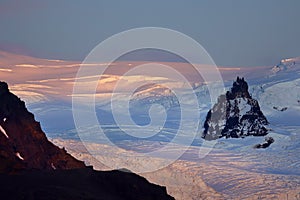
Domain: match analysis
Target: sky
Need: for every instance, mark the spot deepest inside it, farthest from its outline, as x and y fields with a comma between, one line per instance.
x=234, y=32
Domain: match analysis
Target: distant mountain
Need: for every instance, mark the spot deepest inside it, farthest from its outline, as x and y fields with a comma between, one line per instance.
x=31, y=167
x=154, y=93
x=286, y=64
x=236, y=114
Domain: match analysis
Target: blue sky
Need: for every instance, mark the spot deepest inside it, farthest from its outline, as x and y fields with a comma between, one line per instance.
x=234, y=32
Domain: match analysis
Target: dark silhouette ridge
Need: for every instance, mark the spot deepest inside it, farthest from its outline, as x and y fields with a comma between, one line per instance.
x=31, y=167
x=23, y=143
x=79, y=184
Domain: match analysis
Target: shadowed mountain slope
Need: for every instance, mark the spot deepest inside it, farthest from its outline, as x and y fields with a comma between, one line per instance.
x=31, y=167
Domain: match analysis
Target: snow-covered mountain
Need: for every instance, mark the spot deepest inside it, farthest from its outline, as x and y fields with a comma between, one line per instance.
x=286, y=64
x=154, y=94
x=277, y=91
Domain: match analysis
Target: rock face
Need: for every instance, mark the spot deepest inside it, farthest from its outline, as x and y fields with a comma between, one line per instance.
x=23, y=144
x=236, y=114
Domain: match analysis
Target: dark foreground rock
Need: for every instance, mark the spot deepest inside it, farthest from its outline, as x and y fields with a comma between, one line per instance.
x=31, y=167
x=23, y=144
x=79, y=184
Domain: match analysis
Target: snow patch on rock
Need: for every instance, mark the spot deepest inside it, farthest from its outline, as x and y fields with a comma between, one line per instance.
x=3, y=131
x=19, y=156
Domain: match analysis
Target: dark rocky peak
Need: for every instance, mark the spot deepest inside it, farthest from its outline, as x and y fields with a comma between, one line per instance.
x=239, y=89
x=235, y=115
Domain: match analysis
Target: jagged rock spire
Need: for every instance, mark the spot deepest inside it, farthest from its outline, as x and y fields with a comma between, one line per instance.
x=235, y=114
x=239, y=89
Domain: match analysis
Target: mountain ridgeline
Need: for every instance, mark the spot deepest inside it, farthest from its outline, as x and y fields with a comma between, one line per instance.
x=31, y=167
x=23, y=143
x=236, y=114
